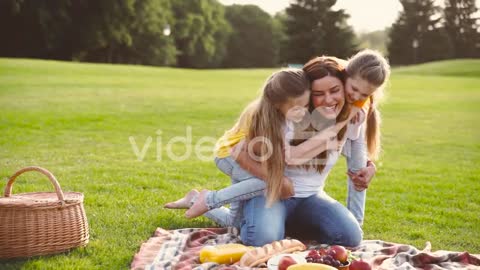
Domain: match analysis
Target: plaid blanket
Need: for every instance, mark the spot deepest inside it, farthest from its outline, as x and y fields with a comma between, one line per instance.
x=179, y=249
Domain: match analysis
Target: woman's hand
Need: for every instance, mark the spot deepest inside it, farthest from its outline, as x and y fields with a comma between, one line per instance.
x=237, y=149
x=287, y=189
x=362, y=178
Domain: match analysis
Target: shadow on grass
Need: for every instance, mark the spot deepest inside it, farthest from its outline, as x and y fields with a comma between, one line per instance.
x=19, y=263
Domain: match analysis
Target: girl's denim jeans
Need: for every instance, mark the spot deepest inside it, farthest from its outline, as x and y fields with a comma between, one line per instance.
x=244, y=187
x=356, y=154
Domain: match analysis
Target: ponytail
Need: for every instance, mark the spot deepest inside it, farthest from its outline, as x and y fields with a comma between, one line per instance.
x=373, y=131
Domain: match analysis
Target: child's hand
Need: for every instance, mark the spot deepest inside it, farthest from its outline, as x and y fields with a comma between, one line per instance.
x=328, y=133
x=329, y=136
x=362, y=178
x=356, y=118
x=287, y=189
x=333, y=144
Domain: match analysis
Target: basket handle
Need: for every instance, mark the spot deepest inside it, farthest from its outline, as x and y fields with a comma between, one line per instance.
x=58, y=189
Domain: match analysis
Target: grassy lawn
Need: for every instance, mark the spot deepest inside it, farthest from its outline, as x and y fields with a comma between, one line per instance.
x=76, y=120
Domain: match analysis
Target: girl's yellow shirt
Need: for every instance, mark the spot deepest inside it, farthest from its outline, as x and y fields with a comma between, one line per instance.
x=230, y=138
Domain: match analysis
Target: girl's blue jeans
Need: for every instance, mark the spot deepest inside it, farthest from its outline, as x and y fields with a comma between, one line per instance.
x=244, y=187
x=356, y=153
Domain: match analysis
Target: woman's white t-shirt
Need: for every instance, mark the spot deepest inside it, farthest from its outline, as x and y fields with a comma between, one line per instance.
x=308, y=182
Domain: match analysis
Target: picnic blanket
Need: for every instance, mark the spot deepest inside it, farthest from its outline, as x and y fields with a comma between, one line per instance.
x=179, y=249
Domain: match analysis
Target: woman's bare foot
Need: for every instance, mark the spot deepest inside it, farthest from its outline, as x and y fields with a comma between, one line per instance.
x=199, y=207
x=183, y=203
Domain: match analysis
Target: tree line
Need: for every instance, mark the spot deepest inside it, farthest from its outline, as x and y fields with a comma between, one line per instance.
x=424, y=32
x=207, y=34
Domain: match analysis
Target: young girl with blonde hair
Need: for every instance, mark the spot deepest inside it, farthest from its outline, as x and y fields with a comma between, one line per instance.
x=285, y=96
x=367, y=74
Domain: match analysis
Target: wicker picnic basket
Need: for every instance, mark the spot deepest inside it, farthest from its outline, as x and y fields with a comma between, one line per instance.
x=41, y=223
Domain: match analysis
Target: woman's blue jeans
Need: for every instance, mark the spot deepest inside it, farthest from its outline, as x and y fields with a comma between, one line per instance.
x=318, y=217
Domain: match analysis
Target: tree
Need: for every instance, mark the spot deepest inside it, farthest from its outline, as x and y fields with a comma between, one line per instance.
x=200, y=33
x=88, y=30
x=313, y=28
x=376, y=40
x=150, y=32
x=462, y=27
x=31, y=28
x=417, y=35
x=280, y=37
x=252, y=41
x=123, y=32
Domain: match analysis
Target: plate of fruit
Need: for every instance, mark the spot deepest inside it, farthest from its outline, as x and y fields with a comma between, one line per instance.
x=332, y=258
x=336, y=256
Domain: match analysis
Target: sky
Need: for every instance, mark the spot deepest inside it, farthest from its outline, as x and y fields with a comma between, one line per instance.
x=365, y=15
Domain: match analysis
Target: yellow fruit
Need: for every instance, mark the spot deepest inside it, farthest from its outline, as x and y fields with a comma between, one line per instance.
x=223, y=254
x=311, y=266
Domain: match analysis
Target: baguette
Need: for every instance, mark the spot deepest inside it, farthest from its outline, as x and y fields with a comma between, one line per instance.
x=260, y=255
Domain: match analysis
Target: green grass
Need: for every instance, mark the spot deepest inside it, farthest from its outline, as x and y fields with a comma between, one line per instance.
x=76, y=120
x=456, y=68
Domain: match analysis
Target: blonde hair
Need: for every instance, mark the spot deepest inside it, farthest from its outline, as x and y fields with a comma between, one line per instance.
x=371, y=66
x=268, y=121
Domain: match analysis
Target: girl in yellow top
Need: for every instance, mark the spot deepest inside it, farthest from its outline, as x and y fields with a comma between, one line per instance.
x=285, y=96
x=367, y=73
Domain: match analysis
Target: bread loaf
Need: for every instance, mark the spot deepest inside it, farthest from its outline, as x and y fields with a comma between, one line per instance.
x=260, y=255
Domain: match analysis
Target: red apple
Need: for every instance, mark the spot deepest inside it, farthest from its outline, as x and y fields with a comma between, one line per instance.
x=339, y=253
x=285, y=262
x=359, y=265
